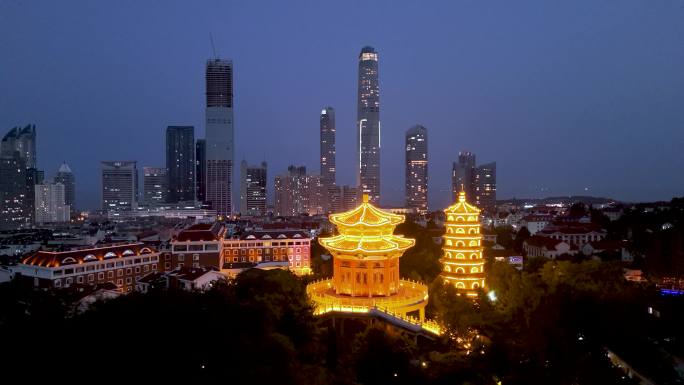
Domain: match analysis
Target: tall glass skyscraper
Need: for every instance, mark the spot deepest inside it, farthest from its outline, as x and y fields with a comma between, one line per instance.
x=180, y=163
x=155, y=185
x=253, y=189
x=368, y=125
x=463, y=175
x=328, y=146
x=219, y=135
x=23, y=141
x=119, y=186
x=417, y=169
x=67, y=178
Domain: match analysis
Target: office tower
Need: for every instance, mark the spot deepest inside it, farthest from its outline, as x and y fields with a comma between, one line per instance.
x=368, y=125
x=485, y=186
x=252, y=189
x=155, y=186
x=67, y=178
x=180, y=163
x=328, y=146
x=22, y=140
x=219, y=135
x=201, y=168
x=15, y=209
x=417, y=169
x=463, y=174
x=18, y=177
x=119, y=186
x=50, y=203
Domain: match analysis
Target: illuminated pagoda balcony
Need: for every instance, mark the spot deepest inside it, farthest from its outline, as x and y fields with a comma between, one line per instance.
x=366, y=256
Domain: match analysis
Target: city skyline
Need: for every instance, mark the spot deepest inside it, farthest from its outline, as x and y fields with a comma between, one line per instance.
x=501, y=113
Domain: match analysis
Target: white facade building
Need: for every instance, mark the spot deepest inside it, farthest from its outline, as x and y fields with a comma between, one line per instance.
x=50, y=206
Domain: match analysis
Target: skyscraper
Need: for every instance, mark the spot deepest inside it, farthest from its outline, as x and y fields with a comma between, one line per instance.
x=328, y=146
x=155, y=185
x=201, y=168
x=252, y=189
x=18, y=177
x=417, y=169
x=463, y=174
x=22, y=140
x=485, y=186
x=67, y=178
x=119, y=186
x=15, y=207
x=219, y=135
x=50, y=206
x=368, y=124
x=180, y=163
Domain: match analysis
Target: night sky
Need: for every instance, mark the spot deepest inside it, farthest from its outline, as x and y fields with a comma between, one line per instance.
x=573, y=97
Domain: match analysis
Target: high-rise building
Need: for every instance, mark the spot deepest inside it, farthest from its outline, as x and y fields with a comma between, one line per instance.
x=18, y=177
x=462, y=262
x=463, y=174
x=201, y=168
x=298, y=193
x=22, y=140
x=368, y=125
x=15, y=207
x=155, y=185
x=219, y=135
x=180, y=163
x=252, y=189
x=291, y=196
x=485, y=186
x=328, y=146
x=479, y=183
x=67, y=178
x=344, y=198
x=417, y=169
x=119, y=185
x=50, y=203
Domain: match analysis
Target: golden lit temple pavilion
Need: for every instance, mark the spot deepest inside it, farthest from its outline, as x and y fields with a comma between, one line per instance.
x=366, y=256
x=462, y=263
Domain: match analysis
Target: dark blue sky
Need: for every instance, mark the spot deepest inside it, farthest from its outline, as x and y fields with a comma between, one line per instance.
x=565, y=96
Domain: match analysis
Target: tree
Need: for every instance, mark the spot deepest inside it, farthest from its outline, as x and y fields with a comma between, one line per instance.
x=383, y=358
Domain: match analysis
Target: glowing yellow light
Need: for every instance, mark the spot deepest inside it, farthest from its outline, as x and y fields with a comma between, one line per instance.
x=462, y=248
x=366, y=270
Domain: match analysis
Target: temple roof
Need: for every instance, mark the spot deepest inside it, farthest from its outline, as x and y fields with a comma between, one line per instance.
x=369, y=245
x=366, y=214
x=462, y=207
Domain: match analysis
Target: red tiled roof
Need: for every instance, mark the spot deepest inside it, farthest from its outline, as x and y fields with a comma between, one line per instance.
x=201, y=232
x=73, y=257
x=275, y=234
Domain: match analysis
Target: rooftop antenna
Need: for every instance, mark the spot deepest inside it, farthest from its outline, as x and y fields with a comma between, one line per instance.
x=213, y=47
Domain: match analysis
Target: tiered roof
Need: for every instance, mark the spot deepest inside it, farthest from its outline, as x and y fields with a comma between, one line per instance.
x=366, y=229
x=462, y=207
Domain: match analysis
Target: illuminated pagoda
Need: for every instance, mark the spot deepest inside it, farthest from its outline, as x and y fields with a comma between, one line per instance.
x=462, y=263
x=366, y=267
